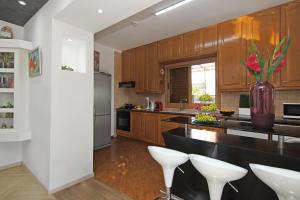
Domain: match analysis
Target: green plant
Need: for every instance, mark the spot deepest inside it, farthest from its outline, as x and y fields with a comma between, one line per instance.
x=256, y=62
x=205, y=97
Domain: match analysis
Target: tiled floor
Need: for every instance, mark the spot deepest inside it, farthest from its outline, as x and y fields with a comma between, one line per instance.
x=127, y=167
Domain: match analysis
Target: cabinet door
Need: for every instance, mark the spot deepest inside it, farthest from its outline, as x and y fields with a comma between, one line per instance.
x=153, y=77
x=139, y=70
x=264, y=30
x=150, y=127
x=137, y=125
x=128, y=64
x=290, y=74
x=209, y=40
x=231, y=48
x=165, y=126
x=164, y=50
x=200, y=42
x=176, y=45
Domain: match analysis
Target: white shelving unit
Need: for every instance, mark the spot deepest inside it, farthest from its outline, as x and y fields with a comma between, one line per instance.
x=14, y=102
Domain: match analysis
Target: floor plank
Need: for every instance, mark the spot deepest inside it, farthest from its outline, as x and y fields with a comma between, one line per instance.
x=127, y=167
x=17, y=183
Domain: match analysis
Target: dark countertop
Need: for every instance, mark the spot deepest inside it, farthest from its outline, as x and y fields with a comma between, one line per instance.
x=231, y=123
x=173, y=112
x=237, y=150
x=278, y=120
x=245, y=118
x=240, y=142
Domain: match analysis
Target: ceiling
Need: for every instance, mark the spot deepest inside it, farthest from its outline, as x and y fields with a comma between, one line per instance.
x=148, y=28
x=84, y=13
x=11, y=11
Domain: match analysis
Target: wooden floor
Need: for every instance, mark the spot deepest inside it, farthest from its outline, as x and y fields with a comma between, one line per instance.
x=17, y=183
x=127, y=167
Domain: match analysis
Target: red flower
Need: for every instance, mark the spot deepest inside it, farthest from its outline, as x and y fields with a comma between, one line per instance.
x=252, y=63
x=280, y=66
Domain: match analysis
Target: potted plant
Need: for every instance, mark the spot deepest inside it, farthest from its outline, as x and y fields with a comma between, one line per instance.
x=262, y=92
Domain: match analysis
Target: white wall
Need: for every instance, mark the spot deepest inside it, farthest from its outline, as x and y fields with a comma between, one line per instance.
x=18, y=31
x=11, y=153
x=107, y=64
x=71, y=156
x=36, y=152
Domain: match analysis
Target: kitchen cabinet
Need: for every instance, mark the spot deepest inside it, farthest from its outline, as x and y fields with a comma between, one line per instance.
x=144, y=126
x=139, y=70
x=165, y=126
x=200, y=42
x=170, y=49
x=290, y=74
x=136, y=121
x=128, y=65
x=150, y=127
x=264, y=30
x=232, y=44
x=153, y=77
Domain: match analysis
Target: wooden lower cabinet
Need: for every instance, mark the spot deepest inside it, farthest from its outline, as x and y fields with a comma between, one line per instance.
x=137, y=125
x=144, y=126
x=165, y=126
x=150, y=127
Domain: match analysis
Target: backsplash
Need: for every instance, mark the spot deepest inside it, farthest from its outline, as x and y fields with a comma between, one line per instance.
x=230, y=100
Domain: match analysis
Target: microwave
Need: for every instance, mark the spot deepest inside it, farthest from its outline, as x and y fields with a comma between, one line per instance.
x=291, y=110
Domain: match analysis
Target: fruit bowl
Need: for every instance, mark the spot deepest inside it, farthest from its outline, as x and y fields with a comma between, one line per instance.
x=227, y=112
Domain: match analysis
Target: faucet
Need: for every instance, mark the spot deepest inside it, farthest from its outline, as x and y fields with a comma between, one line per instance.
x=182, y=104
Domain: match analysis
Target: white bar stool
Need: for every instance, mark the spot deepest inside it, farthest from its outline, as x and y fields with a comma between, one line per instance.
x=286, y=183
x=169, y=160
x=217, y=173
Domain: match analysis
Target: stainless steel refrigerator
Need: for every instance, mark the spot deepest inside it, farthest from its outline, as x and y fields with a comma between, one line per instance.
x=102, y=110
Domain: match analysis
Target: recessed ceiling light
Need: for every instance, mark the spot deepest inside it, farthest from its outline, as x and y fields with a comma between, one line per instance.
x=100, y=11
x=23, y=3
x=181, y=3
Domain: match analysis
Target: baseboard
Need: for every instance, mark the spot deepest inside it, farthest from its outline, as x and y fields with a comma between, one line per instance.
x=10, y=166
x=70, y=184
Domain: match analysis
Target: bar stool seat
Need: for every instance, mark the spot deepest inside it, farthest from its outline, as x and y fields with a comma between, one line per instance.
x=217, y=173
x=286, y=183
x=169, y=160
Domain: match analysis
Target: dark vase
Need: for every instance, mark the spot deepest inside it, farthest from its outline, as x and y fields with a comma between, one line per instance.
x=262, y=105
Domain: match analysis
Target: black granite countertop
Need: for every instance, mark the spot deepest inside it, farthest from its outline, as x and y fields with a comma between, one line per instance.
x=278, y=129
x=167, y=111
x=278, y=120
x=240, y=142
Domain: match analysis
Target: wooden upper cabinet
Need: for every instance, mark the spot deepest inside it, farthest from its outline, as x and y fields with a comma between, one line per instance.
x=200, y=42
x=139, y=70
x=232, y=45
x=264, y=30
x=290, y=74
x=128, y=64
x=164, y=50
x=153, y=77
x=170, y=49
x=176, y=45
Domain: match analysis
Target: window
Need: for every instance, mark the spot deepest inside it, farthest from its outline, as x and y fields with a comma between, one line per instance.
x=188, y=81
x=203, y=80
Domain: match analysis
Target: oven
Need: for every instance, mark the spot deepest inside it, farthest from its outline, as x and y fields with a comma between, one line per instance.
x=291, y=110
x=123, y=120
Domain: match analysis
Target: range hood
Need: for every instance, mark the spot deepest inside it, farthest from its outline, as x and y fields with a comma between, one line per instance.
x=127, y=84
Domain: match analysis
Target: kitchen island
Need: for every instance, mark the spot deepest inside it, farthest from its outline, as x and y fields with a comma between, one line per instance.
x=237, y=150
